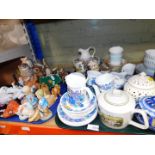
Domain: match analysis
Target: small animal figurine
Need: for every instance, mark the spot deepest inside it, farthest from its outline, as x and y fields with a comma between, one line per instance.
x=46, y=68
x=62, y=74
x=26, y=60
x=11, y=110
x=56, y=90
x=93, y=65
x=33, y=83
x=25, y=111
x=44, y=111
x=50, y=98
x=29, y=97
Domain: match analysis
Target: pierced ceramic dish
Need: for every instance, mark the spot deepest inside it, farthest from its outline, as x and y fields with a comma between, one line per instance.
x=140, y=85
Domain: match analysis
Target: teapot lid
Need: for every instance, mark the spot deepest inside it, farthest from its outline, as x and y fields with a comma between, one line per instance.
x=142, y=81
x=116, y=97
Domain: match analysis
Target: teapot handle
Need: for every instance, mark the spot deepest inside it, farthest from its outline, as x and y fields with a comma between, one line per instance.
x=94, y=51
x=138, y=125
x=89, y=92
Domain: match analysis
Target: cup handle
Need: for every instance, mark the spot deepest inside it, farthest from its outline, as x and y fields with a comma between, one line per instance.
x=138, y=125
x=89, y=92
x=94, y=51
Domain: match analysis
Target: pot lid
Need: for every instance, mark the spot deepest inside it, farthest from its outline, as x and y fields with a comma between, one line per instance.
x=142, y=81
x=116, y=97
x=148, y=104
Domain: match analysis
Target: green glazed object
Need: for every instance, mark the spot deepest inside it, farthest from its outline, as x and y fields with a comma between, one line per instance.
x=51, y=81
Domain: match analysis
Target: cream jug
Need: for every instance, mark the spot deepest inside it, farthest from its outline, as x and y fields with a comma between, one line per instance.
x=85, y=54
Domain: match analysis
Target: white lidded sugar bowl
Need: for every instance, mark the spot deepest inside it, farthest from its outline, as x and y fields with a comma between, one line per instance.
x=140, y=85
x=116, y=110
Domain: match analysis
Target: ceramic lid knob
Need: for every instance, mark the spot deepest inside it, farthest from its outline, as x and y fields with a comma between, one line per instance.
x=117, y=97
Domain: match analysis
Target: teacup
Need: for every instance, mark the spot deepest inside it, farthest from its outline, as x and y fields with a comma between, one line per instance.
x=77, y=90
x=105, y=82
x=91, y=76
x=116, y=55
x=149, y=59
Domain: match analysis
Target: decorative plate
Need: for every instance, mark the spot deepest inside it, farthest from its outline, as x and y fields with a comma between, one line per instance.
x=77, y=108
x=76, y=122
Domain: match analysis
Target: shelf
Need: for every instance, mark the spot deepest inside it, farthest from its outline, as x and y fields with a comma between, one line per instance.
x=48, y=128
x=14, y=53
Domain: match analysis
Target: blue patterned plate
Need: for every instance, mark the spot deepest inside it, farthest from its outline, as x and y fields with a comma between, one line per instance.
x=76, y=122
x=77, y=108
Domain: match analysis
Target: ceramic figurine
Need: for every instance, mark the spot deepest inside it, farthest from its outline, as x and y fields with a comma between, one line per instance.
x=25, y=72
x=9, y=93
x=11, y=109
x=25, y=111
x=26, y=60
x=46, y=93
x=46, y=68
x=29, y=97
x=38, y=71
x=51, y=80
x=93, y=65
x=33, y=82
x=62, y=73
x=79, y=65
x=85, y=54
x=44, y=111
x=56, y=90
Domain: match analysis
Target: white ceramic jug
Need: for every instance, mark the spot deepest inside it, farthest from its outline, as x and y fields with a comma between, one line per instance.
x=85, y=54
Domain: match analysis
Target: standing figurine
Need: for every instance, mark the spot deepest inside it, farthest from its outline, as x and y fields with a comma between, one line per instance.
x=56, y=90
x=44, y=111
x=26, y=60
x=29, y=97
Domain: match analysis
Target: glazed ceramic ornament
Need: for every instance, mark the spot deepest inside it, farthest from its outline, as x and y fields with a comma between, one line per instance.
x=93, y=65
x=116, y=109
x=85, y=54
x=46, y=93
x=79, y=65
x=25, y=111
x=116, y=53
x=11, y=109
x=44, y=111
x=26, y=60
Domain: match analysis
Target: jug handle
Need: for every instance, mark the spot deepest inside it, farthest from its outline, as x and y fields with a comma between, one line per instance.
x=91, y=95
x=94, y=51
x=138, y=125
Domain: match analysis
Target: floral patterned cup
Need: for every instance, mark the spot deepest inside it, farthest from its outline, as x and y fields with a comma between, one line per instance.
x=77, y=90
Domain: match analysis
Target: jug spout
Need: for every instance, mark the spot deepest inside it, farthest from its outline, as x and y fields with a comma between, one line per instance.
x=97, y=91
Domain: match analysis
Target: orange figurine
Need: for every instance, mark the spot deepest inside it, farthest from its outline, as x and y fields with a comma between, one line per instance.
x=56, y=90
x=11, y=110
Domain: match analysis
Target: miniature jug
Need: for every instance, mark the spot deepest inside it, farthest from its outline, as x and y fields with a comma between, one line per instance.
x=85, y=54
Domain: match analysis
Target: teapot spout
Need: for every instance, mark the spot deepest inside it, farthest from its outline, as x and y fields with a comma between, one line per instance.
x=97, y=91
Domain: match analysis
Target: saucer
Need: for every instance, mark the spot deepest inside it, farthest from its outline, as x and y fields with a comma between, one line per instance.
x=77, y=107
x=76, y=122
